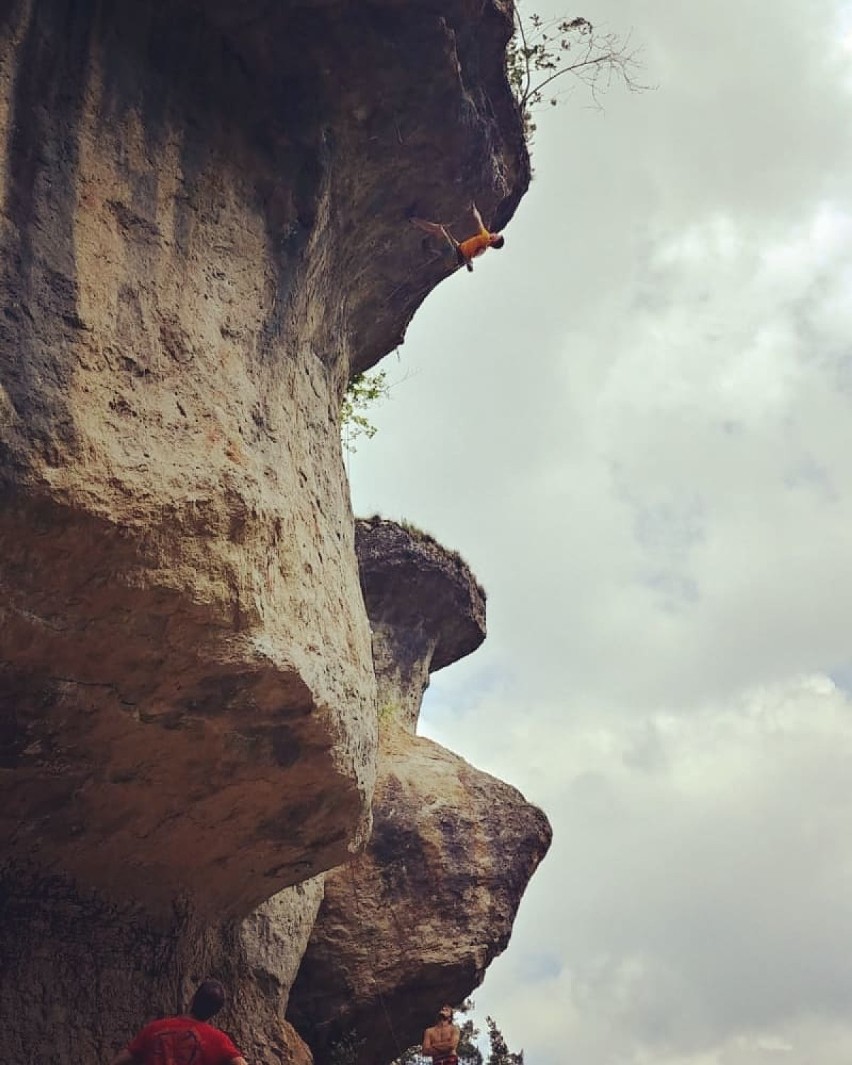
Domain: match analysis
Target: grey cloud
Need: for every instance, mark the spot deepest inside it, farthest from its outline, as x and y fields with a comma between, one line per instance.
x=702, y=899
x=635, y=425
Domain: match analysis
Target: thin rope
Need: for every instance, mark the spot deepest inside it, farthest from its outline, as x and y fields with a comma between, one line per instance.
x=399, y=1050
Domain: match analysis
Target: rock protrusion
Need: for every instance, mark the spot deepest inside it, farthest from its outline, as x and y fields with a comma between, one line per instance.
x=203, y=234
x=415, y=920
x=426, y=611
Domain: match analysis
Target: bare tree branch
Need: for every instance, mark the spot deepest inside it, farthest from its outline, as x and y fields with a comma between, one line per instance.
x=542, y=51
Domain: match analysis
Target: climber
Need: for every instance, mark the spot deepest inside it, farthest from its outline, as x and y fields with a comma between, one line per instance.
x=469, y=249
x=187, y=1039
x=441, y=1041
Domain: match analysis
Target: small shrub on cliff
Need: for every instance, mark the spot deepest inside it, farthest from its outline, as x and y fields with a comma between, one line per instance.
x=500, y=1053
x=388, y=713
x=542, y=51
x=363, y=391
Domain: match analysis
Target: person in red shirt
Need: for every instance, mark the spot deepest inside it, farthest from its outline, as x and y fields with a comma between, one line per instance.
x=185, y=1040
x=465, y=250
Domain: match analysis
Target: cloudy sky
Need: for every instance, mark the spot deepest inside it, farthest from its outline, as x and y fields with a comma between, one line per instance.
x=635, y=422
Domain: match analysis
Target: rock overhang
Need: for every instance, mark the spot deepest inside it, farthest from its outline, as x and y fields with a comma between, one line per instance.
x=411, y=113
x=415, y=589
x=171, y=438
x=417, y=917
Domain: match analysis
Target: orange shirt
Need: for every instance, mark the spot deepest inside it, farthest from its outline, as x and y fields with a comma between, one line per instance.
x=476, y=245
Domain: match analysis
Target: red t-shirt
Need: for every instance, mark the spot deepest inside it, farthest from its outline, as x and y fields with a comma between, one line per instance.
x=182, y=1041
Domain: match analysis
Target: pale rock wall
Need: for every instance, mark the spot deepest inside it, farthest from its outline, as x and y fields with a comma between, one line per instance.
x=188, y=699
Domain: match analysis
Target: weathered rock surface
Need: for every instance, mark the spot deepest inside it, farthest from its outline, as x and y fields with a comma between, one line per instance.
x=425, y=607
x=415, y=920
x=187, y=696
x=203, y=233
x=260, y=958
x=79, y=976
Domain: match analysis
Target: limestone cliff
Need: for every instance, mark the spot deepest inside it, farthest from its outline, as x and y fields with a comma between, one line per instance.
x=203, y=234
x=188, y=695
x=415, y=920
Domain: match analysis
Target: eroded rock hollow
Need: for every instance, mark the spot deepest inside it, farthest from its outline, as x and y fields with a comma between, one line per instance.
x=203, y=236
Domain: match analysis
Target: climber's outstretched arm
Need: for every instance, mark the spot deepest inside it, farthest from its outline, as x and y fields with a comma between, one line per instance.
x=477, y=217
x=435, y=228
x=465, y=250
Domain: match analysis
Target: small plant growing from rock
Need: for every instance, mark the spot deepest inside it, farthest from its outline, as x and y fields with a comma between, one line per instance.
x=388, y=713
x=362, y=392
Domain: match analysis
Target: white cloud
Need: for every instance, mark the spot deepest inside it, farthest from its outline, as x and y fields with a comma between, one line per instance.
x=694, y=896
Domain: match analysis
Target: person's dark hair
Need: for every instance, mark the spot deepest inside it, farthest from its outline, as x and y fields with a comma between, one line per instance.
x=208, y=999
x=499, y=242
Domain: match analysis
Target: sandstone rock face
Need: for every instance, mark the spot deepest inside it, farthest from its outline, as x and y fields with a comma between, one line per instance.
x=259, y=958
x=415, y=920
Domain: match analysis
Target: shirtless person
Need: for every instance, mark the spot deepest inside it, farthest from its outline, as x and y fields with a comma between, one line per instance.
x=441, y=1041
x=465, y=250
x=185, y=1040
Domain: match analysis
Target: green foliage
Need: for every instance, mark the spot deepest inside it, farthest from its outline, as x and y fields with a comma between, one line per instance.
x=468, y=1052
x=363, y=391
x=389, y=712
x=500, y=1053
x=544, y=50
